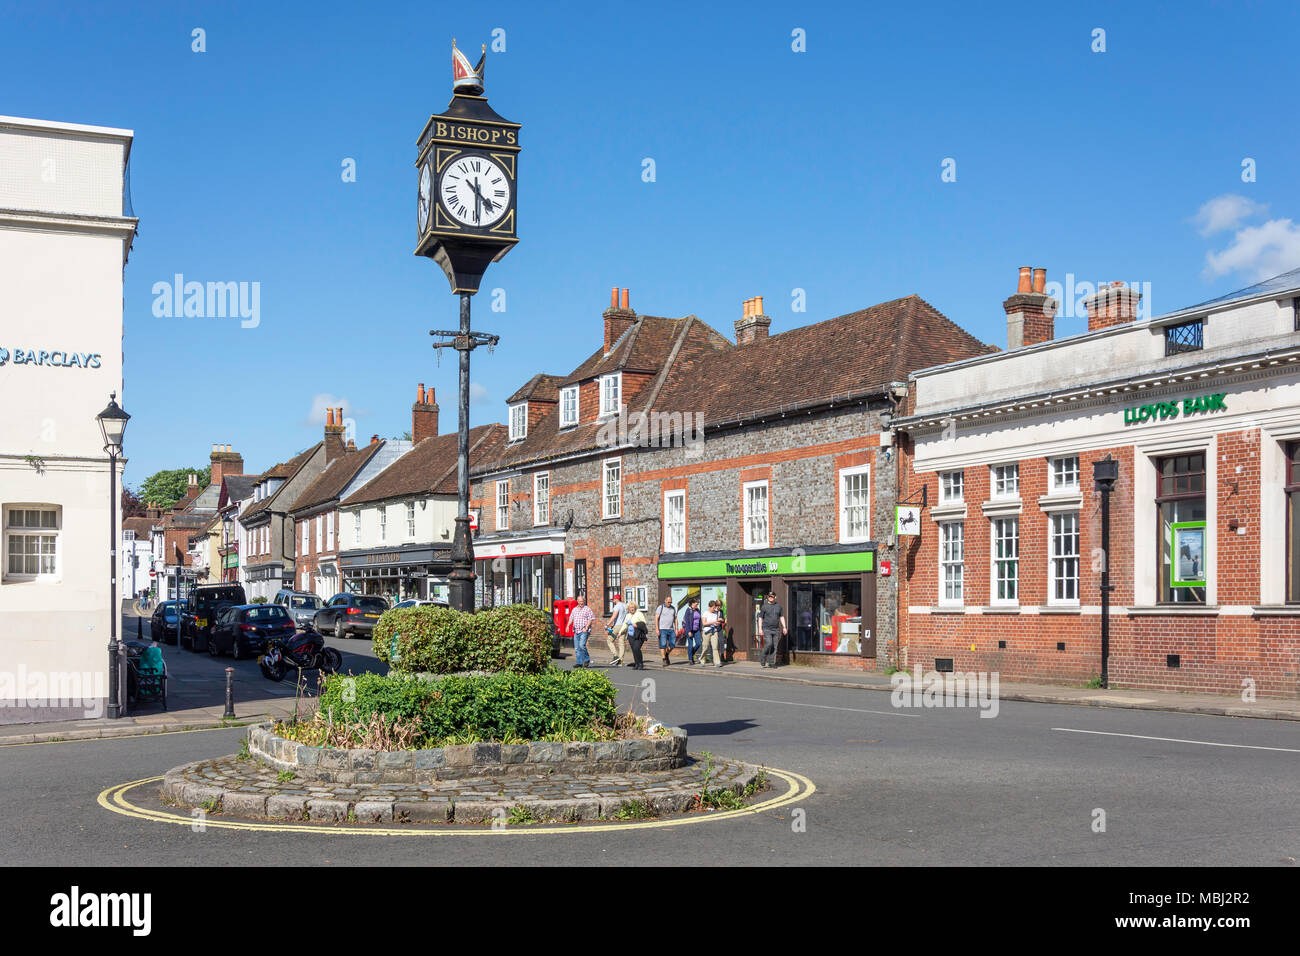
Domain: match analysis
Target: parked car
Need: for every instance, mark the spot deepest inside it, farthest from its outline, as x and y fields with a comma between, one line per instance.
x=350, y=615
x=418, y=602
x=301, y=605
x=201, y=609
x=243, y=629
x=164, y=624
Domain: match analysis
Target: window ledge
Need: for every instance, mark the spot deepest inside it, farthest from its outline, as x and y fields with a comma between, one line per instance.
x=1001, y=609
x=1060, y=609
x=1173, y=610
x=946, y=512
x=1002, y=506
x=949, y=609
x=1072, y=501
x=1276, y=610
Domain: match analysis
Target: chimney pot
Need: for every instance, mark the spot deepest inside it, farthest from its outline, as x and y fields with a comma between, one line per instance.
x=1040, y=280
x=1026, y=280
x=329, y=416
x=624, y=301
x=613, y=298
x=758, y=305
x=419, y=393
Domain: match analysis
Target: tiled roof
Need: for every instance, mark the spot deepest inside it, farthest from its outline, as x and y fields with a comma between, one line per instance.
x=541, y=388
x=239, y=487
x=286, y=470
x=335, y=477
x=1286, y=282
x=642, y=348
x=430, y=467
x=142, y=527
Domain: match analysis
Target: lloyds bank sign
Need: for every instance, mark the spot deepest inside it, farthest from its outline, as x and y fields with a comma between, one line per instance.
x=1165, y=411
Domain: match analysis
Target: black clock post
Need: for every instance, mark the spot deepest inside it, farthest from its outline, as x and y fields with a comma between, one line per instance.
x=467, y=166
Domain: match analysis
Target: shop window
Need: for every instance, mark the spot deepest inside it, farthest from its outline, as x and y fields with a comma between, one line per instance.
x=756, y=517
x=32, y=542
x=542, y=498
x=826, y=616
x=675, y=521
x=410, y=520
x=1065, y=474
x=580, y=577
x=1006, y=481
x=518, y=421
x=951, y=487
x=612, y=488
x=503, y=505
x=613, y=583
x=951, y=562
x=611, y=393
x=1180, y=505
x=636, y=594
x=1292, y=491
x=568, y=406
x=855, y=504
x=1006, y=561
x=1063, y=558
x=1185, y=337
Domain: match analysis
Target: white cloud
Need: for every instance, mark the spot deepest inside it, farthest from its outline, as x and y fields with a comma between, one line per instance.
x=1226, y=212
x=1258, y=252
x=322, y=401
x=478, y=395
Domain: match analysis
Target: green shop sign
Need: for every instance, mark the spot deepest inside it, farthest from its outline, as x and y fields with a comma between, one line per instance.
x=1162, y=411
x=856, y=561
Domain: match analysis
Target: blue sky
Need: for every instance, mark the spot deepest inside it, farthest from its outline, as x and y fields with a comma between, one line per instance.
x=775, y=171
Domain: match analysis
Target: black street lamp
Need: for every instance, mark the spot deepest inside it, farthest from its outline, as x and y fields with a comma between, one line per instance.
x=112, y=425
x=1104, y=475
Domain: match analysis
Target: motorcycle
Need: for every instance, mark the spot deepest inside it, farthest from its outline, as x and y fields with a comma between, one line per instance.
x=305, y=651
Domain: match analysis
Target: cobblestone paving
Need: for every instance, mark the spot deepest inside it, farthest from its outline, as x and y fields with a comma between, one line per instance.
x=248, y=788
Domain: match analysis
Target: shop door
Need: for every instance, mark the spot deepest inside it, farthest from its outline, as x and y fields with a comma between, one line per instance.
x=755, y=595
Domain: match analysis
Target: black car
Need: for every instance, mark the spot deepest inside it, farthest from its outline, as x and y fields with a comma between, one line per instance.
x=201, y=609
x=349, y=615
x=165, y=622
x=242, y=629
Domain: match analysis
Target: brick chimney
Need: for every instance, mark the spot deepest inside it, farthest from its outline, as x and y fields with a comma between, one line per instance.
x=1031, y=312
x=424, y=415
x=752, y=324
x=619, y=317
x=1116, y=304
x=333, y=434
x=225, y=462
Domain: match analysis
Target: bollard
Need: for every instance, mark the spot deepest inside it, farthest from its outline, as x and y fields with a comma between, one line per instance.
x=230, y=693
x=139, y=629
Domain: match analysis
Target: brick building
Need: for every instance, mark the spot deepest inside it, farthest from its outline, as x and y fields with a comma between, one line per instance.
x=673, y=463
x=1201, y=410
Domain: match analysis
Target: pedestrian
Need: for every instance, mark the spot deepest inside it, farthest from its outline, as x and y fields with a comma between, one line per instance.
x=692, y=624
x=616, y=631
x=636, y=634
x=772, y=619
x=581, y=619
x=710, y=645
x=666, y=622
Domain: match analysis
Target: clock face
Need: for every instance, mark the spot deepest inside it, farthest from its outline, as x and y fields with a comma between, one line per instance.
x=426, y=197
x=475, y=190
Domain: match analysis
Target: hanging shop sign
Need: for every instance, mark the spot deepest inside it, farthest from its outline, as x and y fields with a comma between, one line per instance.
x=1164, y=411
x=856, y=561
x=907, y=520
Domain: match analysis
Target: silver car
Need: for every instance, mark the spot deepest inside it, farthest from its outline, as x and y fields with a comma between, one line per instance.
x=302, y=607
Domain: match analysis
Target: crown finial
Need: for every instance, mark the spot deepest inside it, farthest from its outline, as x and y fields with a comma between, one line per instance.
x=465, y=78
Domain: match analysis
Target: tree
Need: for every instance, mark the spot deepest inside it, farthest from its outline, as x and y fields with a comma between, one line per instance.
x=132, y=504
x=405, y=436
x=168, y=486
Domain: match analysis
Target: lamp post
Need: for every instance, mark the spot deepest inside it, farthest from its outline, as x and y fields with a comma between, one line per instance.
x=112, y=425
x=1104, y=475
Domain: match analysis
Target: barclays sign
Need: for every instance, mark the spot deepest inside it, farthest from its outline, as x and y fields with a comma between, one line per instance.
x=55, y=358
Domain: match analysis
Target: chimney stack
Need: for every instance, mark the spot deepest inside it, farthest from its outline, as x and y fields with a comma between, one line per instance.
x=1116, y=304
x=619, y=317
x=1031, y=312
x=225, y=462
x=424, y=415
x=752, y=324
x=333, y=434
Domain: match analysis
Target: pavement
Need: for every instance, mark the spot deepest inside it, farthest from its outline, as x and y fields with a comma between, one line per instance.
x=196, y=692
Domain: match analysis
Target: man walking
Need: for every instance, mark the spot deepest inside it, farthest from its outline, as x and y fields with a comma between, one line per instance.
x=772, y=619
x=692, y=623
x=581, y=619
x=666, y=622
x=616, y=630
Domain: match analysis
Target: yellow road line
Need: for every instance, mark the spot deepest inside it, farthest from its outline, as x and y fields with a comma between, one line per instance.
x=114, y=799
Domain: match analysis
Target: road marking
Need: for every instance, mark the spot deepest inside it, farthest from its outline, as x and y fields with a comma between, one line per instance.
x=1175, y=740
x=114, y=799
x=244, y=722
x=791, y=703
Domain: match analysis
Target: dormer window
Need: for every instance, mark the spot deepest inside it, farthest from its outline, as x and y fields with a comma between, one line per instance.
x=518, y=421
x=611, y=393
x=1186, y=337
x=569, y=406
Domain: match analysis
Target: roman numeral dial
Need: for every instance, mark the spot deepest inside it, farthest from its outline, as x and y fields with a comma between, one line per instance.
x=475, y=190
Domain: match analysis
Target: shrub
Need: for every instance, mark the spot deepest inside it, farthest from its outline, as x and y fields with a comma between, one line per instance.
x=439, y=640
x=502, y=706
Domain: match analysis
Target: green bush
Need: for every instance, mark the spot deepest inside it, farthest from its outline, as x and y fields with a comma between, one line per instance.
x=439, y=640
x=498, y=706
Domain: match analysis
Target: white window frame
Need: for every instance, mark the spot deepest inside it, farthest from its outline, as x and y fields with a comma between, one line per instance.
x=410, y=521
x=948, y=480
x=565, y=393
x=320, y=533
x=329, y=531
x=518, y=421
x=1053, y=557
x=306, y=536
x=542, y=498
x=750, y=521
x=998, y=482
x=22, y=531
x=383, y=523
x=356, y=527
x=672, y=546
x=503, y=505
x=845, y=474
x=994, y=560
x=948, y=560
x=611, y=495
x=1056, y=487
x=606, y=393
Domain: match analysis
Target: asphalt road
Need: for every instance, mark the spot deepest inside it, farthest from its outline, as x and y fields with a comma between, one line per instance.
x=893, y=787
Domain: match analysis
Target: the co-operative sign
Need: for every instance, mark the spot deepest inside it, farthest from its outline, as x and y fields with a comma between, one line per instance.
x=57, y=358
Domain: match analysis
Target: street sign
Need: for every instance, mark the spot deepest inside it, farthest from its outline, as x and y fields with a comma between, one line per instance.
x=153, y=573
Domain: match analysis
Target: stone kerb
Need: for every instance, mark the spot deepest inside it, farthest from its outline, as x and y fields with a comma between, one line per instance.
x=336, y=765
